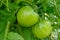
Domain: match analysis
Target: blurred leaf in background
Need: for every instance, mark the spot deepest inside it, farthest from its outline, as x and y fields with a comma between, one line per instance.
x=14, y=36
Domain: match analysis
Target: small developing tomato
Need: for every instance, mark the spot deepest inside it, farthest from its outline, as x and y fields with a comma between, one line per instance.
x=27, y=17
x=42, y=30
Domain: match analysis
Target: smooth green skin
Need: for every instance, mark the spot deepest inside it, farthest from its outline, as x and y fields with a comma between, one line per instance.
x=27, y=17
x=42, y=30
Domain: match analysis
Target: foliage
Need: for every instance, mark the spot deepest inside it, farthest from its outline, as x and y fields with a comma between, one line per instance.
x=47, y=9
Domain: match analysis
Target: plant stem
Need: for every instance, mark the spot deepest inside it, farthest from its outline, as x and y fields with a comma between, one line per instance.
x=7, y=5
x=20, y=30
x=0, y=4
x=3, y=3
x=55, y=4
x=7, y=29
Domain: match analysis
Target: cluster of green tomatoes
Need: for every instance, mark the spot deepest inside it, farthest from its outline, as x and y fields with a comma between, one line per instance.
x=27, y=17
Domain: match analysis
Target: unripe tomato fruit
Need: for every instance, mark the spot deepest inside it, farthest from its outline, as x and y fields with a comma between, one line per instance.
x=42, y=30
x=27, y=17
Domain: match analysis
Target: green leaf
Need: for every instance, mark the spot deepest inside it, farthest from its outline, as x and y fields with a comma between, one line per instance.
x=27, y=33
x=14, y=36
x=5, y=16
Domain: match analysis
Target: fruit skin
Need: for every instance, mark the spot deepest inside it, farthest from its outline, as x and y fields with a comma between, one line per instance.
x=42, y=30
x=27, y=17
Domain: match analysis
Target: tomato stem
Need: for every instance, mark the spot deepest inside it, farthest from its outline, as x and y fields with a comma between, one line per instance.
x=19, y=29
x=6, y=4
x=55, y=4
x=7, y=29
x=3, y=3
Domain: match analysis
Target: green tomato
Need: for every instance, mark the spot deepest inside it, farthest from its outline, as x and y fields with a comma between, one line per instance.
x=27, y=17
x=42, y=30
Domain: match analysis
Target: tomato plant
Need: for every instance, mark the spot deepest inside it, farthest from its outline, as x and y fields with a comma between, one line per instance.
x=29, y=19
